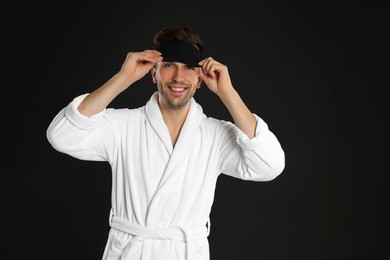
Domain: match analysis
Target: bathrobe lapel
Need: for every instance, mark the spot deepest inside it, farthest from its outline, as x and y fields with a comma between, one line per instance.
x=183, y=145
x=156, y=120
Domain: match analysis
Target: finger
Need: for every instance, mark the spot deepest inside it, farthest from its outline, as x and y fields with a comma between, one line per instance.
x=153, y=52
x=200, y=73
x=204, y=65
x=203, y=74
x=210, y=66
x=209, y=74
x=202, y=62
x=148, y=57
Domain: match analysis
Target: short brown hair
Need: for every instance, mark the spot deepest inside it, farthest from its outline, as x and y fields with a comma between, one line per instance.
x=185, y=33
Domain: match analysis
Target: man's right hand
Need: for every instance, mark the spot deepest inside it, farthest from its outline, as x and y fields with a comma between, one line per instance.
x=138, y=64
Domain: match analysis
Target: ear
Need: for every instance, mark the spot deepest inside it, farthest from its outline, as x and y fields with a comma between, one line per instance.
x=153, y=73
x=199, y=82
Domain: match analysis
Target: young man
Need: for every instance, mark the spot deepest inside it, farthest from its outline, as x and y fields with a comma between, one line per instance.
x=167, y=155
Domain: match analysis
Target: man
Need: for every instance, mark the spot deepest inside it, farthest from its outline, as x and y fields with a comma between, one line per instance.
x=167, y=155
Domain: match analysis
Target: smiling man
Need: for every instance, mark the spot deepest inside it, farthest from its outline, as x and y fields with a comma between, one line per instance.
x=167, y=155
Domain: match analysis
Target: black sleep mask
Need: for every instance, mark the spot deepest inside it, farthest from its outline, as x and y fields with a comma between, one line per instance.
x=181, y=51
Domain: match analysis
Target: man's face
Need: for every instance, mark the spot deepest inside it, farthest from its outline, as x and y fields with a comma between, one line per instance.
x=176, y=82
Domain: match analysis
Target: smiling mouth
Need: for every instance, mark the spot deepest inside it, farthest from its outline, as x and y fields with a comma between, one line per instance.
x=177, y=89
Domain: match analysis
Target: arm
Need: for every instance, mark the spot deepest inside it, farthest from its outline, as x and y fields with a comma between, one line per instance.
x=136, y=66
x=82, y=137
x=83, y=129
x=260, y=158
x=250, y=151
x=216, y=77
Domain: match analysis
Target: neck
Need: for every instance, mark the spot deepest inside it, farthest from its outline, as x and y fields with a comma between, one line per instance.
x=174, y=119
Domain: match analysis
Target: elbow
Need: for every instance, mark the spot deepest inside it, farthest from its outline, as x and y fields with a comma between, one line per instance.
x=263, y=174
x=267, y=171
x=56, y=139
x=50, y=136
x=277, y=168
x=53, y=139
x=275, y=171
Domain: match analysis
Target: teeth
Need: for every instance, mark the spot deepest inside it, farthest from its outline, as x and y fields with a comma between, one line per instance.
x=177, y=89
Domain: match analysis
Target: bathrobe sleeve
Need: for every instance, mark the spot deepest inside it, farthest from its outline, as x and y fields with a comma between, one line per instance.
x=260, y=158
x=82, y=137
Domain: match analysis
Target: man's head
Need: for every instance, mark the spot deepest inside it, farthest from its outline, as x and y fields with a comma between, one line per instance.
x=177, y=75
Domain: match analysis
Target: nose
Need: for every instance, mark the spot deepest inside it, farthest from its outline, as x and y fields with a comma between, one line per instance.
x=178, y=74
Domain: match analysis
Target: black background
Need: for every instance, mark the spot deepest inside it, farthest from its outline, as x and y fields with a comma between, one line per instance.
x=315, y=72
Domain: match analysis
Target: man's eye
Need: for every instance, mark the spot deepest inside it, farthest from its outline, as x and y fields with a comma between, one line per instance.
x=190, y=68
x=167, y=65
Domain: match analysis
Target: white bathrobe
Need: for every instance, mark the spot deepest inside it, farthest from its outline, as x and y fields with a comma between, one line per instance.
x=162, y=195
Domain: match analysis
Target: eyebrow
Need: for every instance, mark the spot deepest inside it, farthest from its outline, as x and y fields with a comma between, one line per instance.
x=176, y=62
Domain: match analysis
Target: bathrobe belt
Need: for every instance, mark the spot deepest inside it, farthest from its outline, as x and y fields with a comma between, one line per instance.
x=141, y=233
